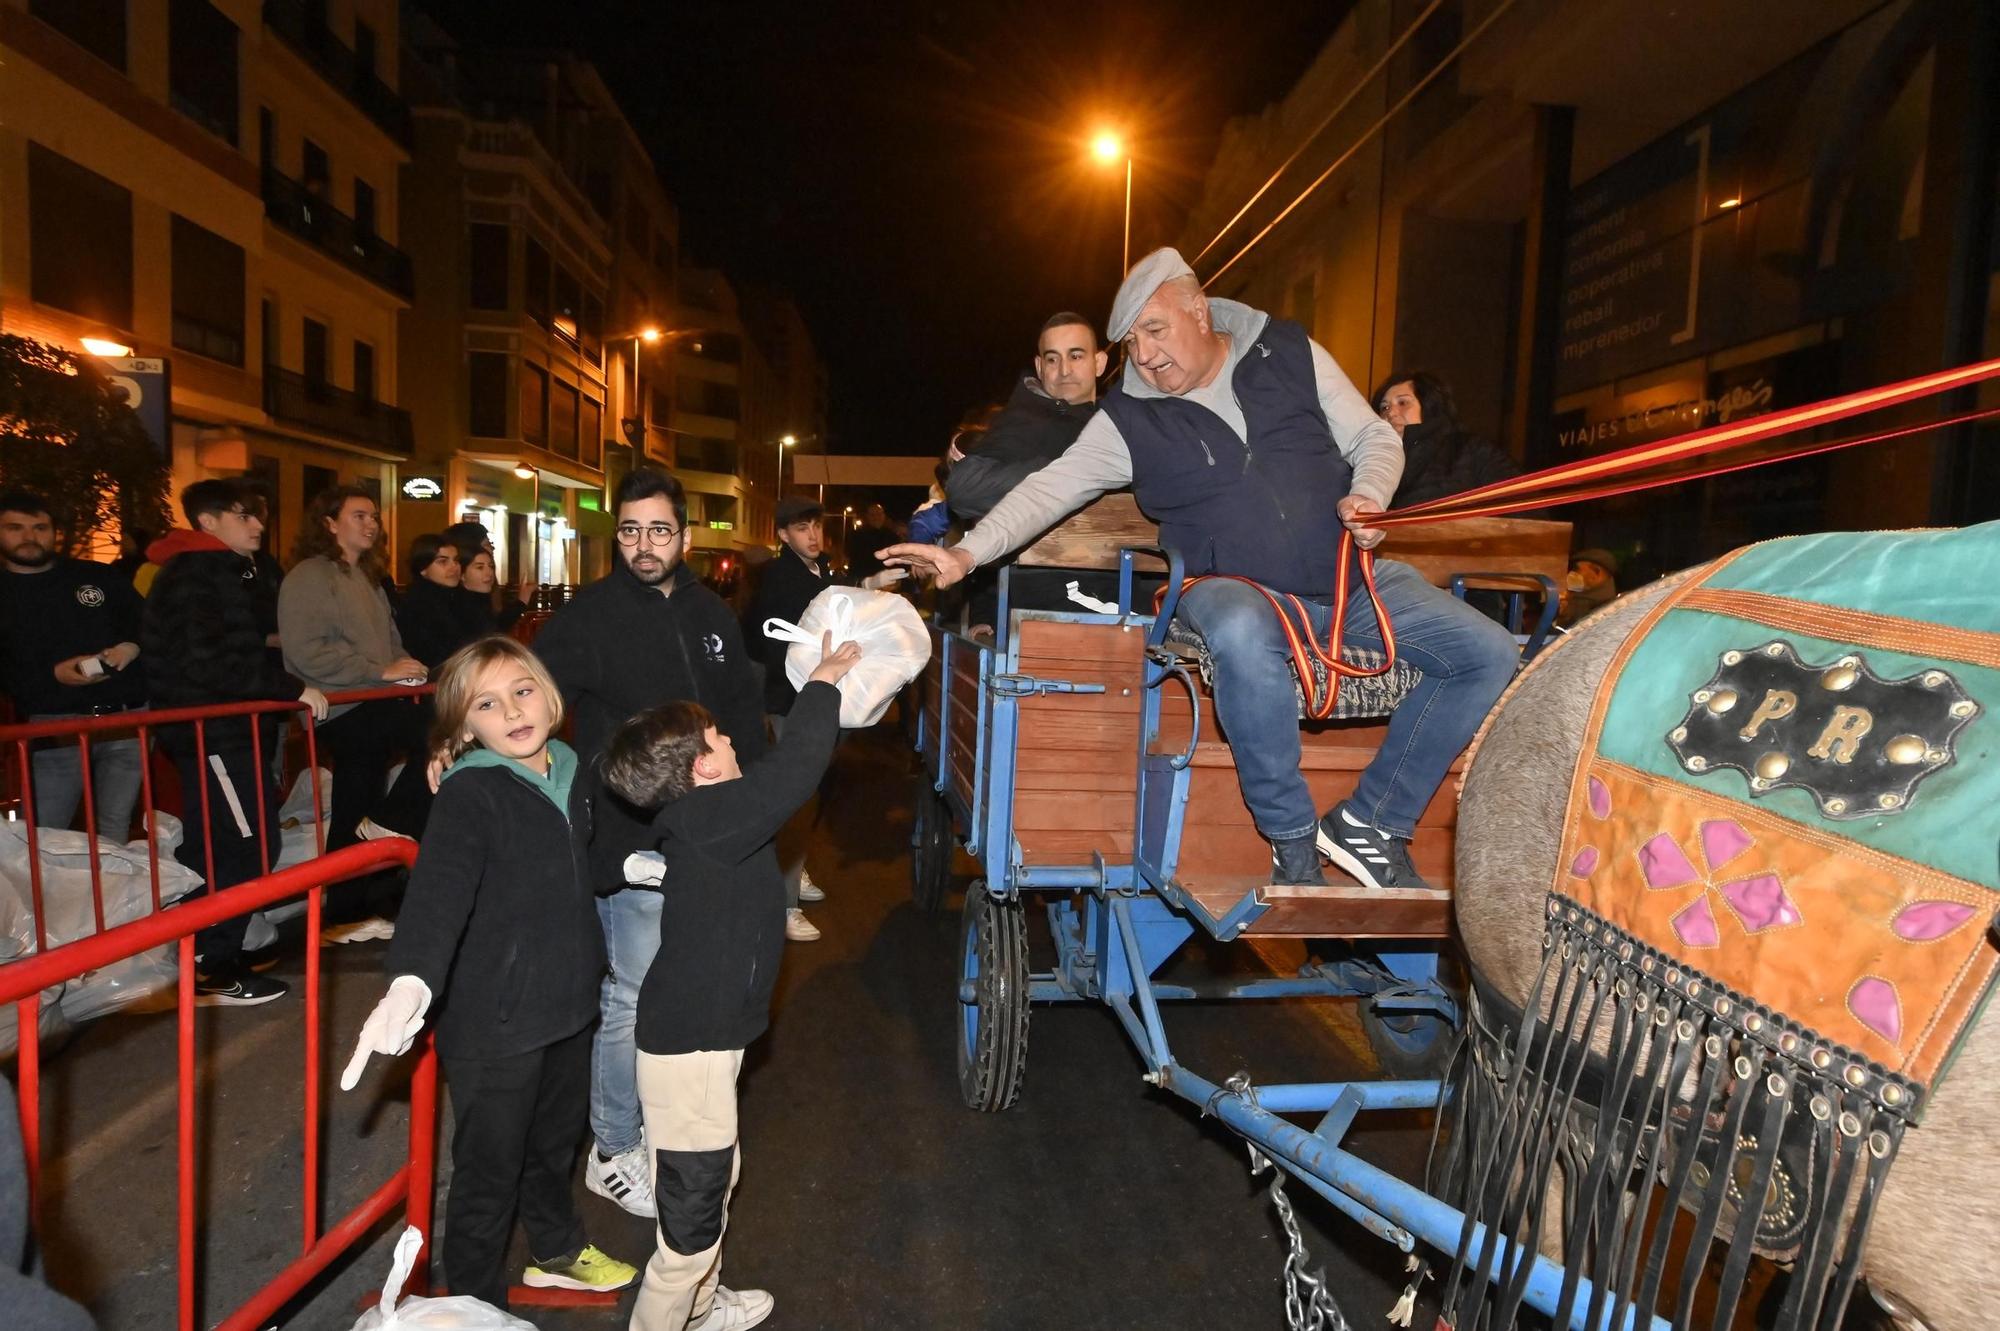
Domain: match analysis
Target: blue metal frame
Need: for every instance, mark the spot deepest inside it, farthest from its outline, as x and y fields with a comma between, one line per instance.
x=1116, y=924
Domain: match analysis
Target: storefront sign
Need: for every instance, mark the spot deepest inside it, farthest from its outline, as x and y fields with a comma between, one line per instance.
x=146, y=383
x=423, y=488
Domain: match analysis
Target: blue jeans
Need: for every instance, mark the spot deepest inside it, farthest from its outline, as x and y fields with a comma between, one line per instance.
x=631, y=920
x=115, y=778
x=1466, y=659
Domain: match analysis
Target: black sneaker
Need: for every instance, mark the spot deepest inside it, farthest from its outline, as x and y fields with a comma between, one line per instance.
x=1374, y=858
x=1295, y=863
x=237, y=987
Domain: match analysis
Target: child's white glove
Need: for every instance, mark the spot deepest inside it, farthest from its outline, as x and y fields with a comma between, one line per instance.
x=392, y=1027
x=887, y=578
x=645, y=868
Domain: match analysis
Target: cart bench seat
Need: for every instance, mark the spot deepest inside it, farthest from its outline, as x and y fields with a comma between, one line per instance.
x=1342, y=909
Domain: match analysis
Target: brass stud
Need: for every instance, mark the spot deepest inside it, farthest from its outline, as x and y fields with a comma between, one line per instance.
x=1850, y=1126
x=1906, y=749
x=1775, y=1085
x=1848, y=661
x=1935, y=756
x=1821, y=1059
x=1720, y=701
x=1821, y=1110
x=1712, y=1045
x=1933, y=678
x=1721, y=1004
x=1788, y=1043
x=1699, y=1173
x=1743, y=1068
x=1889, y=799
x=1836, y=806
x=1775, y=649
x=1697, y=763
x=1753, y=1023
x=1678, y=734
x=1964, y=708
x=1555, y=907
x=1661, y=1017
x=1855, y=1076
x=1839, y=679
x=1731, y=658
x=1892, y=1094
x=1703, y=695
x=1673, y=977
x=1625, y=951
x=1646, y=965
x=1759, y=783
x=1773, y=765
x=1878, y=1145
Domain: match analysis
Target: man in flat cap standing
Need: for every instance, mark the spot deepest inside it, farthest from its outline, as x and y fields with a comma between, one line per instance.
x=1250, y=447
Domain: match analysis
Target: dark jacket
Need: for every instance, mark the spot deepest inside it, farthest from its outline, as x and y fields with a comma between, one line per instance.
x=620, y=647
x=722, y=917
x=436, y=621
x=787, y=586
x=1439, y=460
x=499, y=919
x=1264, y=508
x=72, y=608
x=203, y=634
x=1032, y=432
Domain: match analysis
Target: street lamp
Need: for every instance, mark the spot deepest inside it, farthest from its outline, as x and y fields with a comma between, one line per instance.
x=1107, y=148
x=104, y=346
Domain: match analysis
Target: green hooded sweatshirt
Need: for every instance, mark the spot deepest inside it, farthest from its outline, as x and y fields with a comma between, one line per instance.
x=556, y=785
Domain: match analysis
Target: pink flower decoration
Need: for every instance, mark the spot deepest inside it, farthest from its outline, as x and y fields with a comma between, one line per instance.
x=1600, y=798
x=1663, y=864
x=1722, y=840
x=1760, y=902
x=1922, y=921
x=1873, y=1002
x=1585, y=863
x=1695, y=924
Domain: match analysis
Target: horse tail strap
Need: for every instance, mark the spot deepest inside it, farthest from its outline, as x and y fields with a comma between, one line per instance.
x=1322, y=703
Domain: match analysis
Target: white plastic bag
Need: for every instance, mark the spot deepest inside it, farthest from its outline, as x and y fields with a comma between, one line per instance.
x=460, y=1312
x=894, y=647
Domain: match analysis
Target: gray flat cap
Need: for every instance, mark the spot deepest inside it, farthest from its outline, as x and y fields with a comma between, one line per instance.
x=1147, y=276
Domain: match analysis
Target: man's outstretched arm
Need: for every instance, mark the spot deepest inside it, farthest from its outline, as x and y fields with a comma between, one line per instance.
x=1098, y=461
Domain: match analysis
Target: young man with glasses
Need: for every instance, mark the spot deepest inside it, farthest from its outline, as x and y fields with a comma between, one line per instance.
x=647, y=633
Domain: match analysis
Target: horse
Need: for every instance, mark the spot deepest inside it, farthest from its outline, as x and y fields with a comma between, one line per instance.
x=1930, y=1249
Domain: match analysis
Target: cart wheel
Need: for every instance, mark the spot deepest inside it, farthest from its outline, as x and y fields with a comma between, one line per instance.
x=1409, y=1046
x=993, y=1000
x=931, y=849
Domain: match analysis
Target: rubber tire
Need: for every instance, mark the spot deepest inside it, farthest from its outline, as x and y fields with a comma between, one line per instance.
x=1409, y=1046
x=993, y=1028
x=932, y=849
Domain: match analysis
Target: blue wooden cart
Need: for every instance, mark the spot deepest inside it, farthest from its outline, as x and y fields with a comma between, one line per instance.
x=1070, y=754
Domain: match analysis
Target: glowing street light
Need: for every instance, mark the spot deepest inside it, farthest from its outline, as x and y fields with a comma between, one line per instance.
x=104, y=346
x=1107, y=148
x=788, y=441
x=649, y=334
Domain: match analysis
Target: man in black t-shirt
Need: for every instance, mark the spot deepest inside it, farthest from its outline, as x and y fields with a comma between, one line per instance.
x=69, y=646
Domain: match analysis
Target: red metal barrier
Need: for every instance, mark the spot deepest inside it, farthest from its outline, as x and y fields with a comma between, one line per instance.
x=146, y=725
x=22, y=982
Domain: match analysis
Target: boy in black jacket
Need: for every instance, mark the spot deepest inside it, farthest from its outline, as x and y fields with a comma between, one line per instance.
x=646, y=634
x=204, y=638
x=708, y=994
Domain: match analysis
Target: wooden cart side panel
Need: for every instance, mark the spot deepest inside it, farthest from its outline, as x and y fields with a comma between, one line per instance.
x=1076, y=755
x=962, y=775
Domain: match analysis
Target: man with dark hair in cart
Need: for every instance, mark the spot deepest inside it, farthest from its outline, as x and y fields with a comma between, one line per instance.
x=646, y=633
x=204, y=634
x=1241, y=436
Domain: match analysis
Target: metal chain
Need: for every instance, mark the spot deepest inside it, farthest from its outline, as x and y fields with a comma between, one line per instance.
x=1308, y=1304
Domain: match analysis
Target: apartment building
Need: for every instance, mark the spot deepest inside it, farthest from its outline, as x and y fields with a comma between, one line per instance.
x=214, y=187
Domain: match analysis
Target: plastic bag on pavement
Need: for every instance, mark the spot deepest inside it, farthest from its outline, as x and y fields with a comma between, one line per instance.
x=69, y=915
x=895, y=647
x=298, y=841
x=460, y=1312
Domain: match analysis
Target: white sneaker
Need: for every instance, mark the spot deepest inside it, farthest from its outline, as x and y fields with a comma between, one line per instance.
x=370, y=830
x=800, y=930
x=808, y=889
x=623, y=1179
x=735, y=1310
x=361, y=931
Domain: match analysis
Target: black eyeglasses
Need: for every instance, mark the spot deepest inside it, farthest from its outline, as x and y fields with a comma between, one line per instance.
x=658, y=533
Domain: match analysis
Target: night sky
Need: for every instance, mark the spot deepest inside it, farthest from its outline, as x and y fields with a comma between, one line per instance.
x=915, y=175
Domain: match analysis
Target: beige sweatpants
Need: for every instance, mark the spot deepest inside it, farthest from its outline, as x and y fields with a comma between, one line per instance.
x=689, y=1102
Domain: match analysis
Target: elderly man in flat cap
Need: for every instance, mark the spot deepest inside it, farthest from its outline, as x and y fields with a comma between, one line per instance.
x=1244, y=440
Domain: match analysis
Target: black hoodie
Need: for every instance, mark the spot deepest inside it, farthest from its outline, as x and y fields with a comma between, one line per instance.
x=619, y=648
x=1032, y=432
x=203, y=635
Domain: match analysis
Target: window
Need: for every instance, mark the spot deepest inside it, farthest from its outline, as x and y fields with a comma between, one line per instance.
x=487, y=266
x=315, y=172
x=268, y=310
x=315, y=351
x=535, y=300
x=317, y=480
x=79, y=239
x=486, y=384
x=590, y=433
x=591, y=327
x=364, y=371
x=263, y=477
x=568, y=303
x=562, y=418
x=364, y=207
x=208, y=293
x=534, y=404
x=638, y=227
x=663, y=254
x=663, y=406
x=364, y=49
x=267, y=138
x=98, y=26
x=201, y=66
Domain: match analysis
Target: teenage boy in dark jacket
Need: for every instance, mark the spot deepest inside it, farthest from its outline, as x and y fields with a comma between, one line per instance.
x=204, y=637
x=646, y=634
x=708, y=994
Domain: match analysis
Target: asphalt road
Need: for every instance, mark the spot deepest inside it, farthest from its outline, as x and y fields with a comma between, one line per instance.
x=870, y=1196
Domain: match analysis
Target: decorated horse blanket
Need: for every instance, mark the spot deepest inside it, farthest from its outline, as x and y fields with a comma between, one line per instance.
x=1772, y=916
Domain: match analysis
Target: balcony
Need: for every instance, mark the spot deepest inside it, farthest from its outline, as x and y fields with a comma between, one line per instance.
x=305, y=214
x=290, y=396
x=317, y=46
